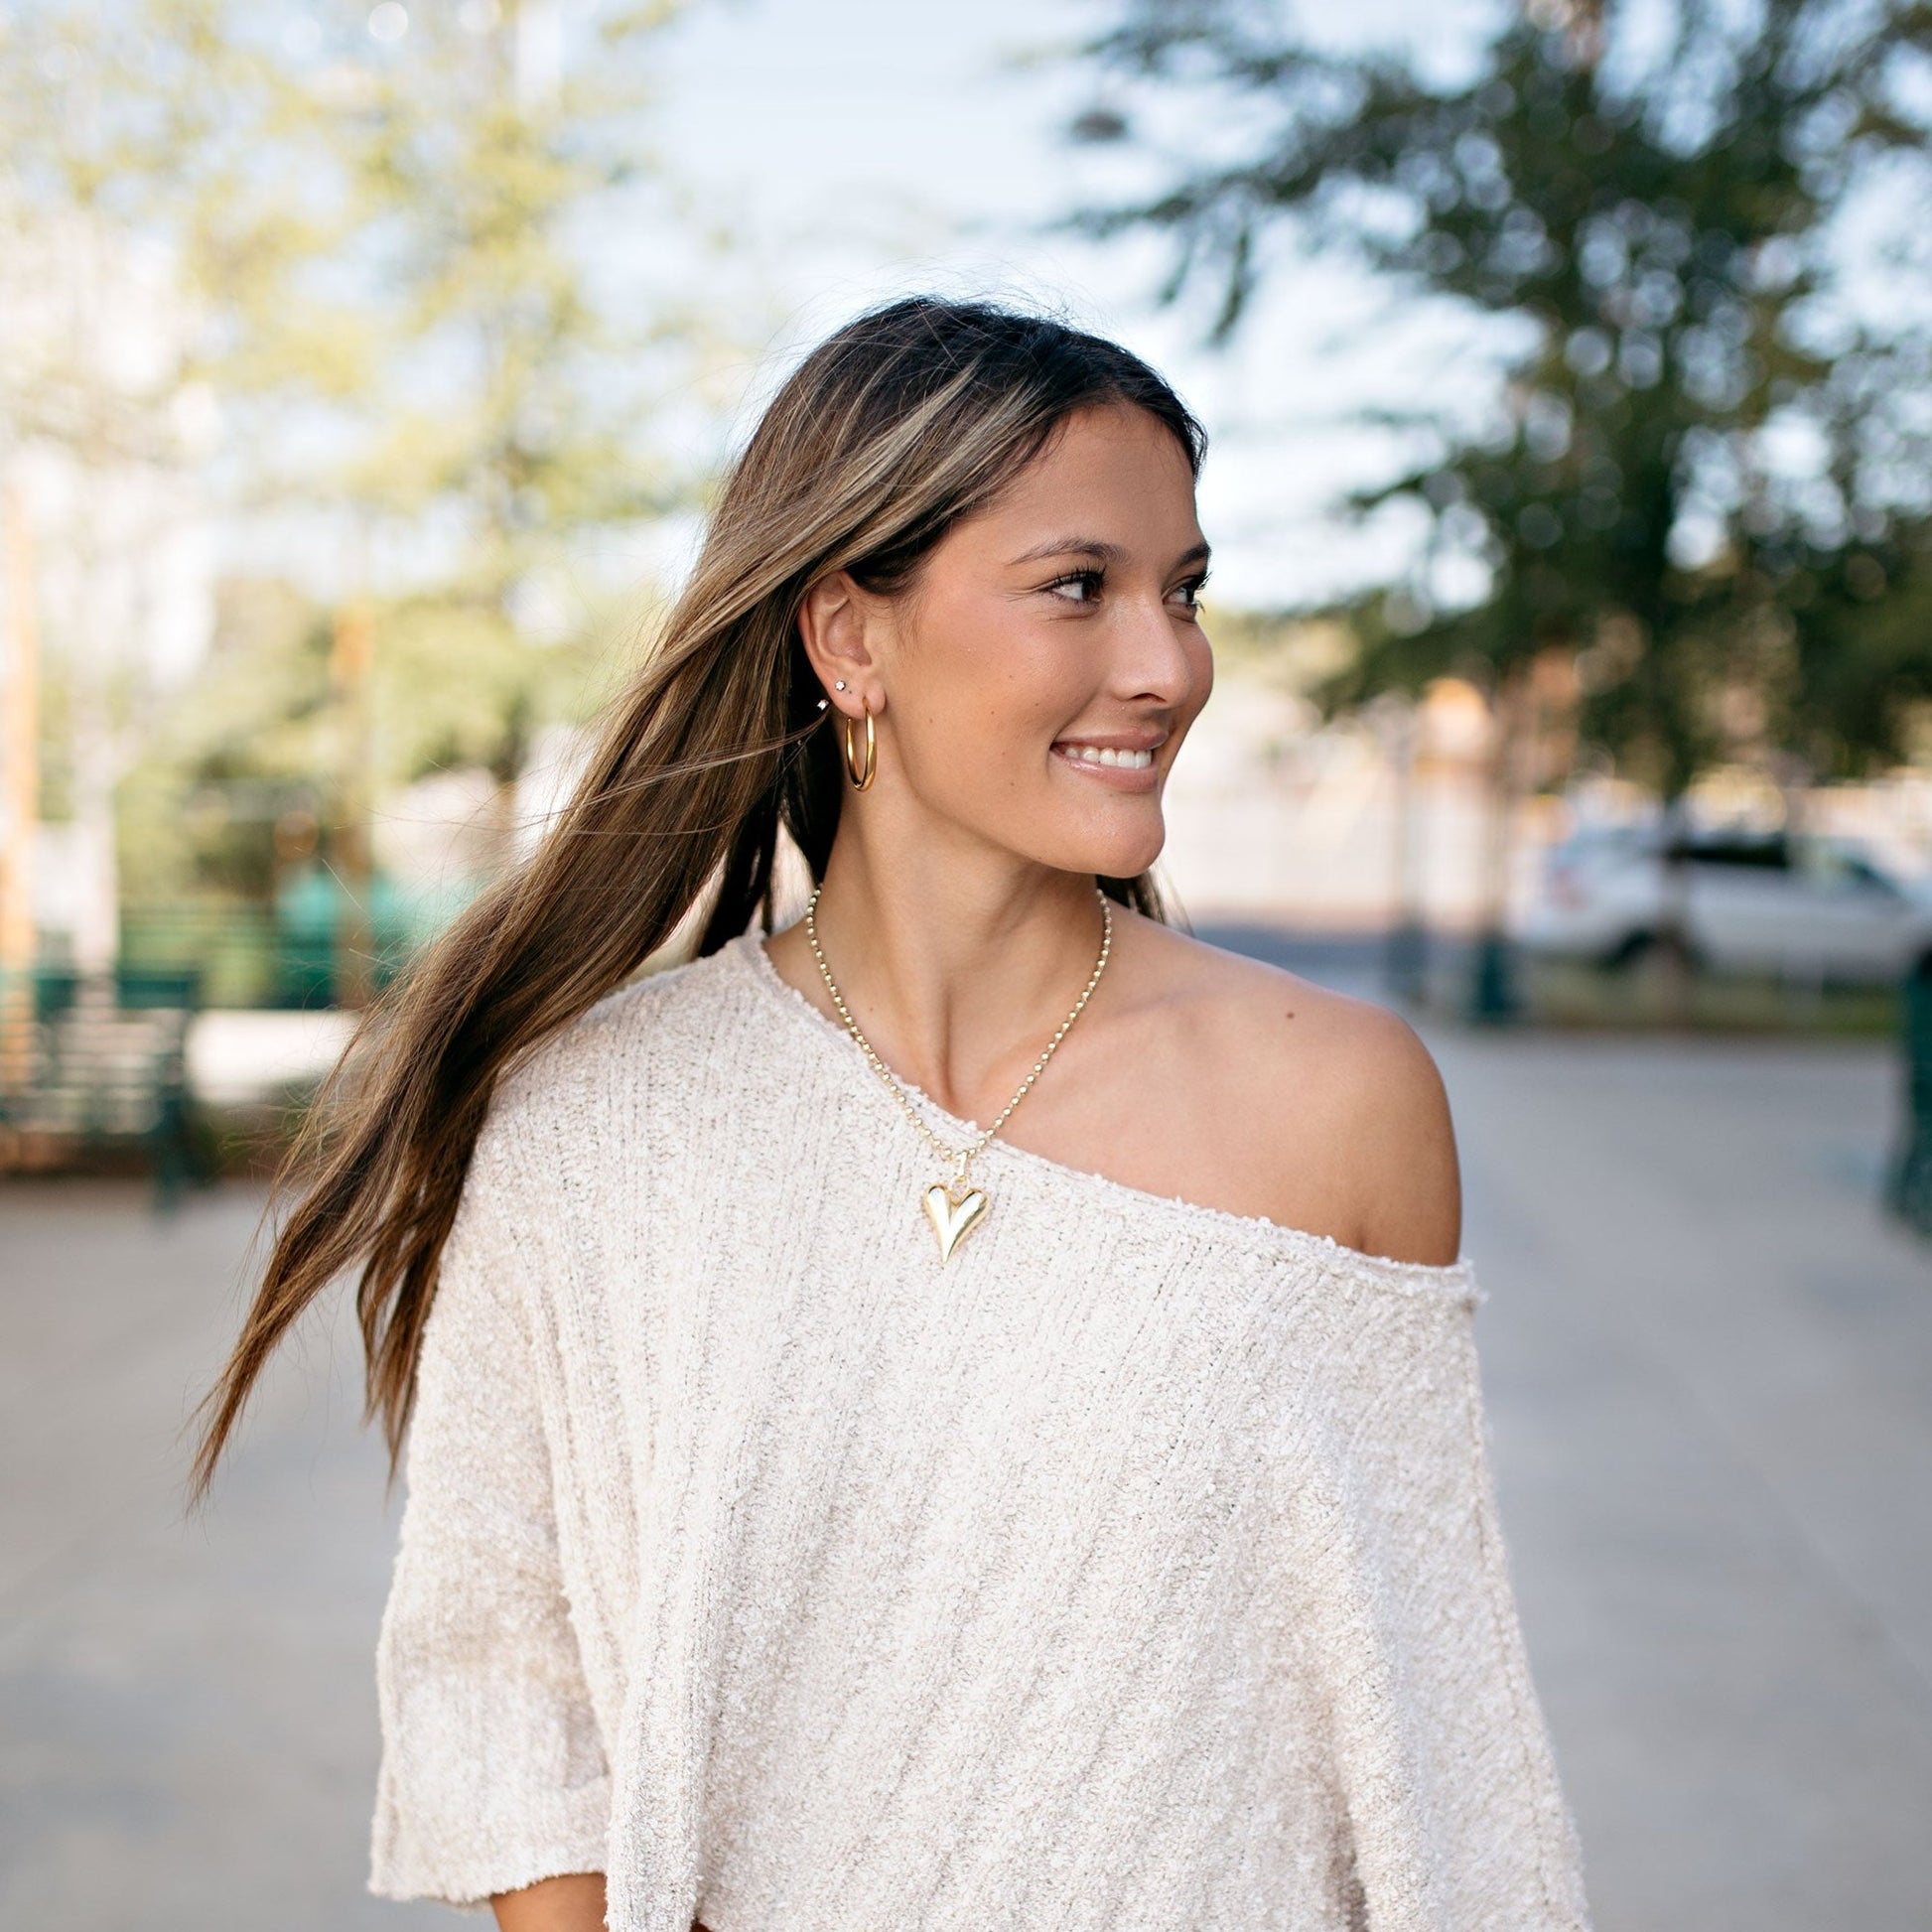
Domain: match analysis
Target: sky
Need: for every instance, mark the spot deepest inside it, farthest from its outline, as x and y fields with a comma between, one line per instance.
x=864, y=148
x=828, y=154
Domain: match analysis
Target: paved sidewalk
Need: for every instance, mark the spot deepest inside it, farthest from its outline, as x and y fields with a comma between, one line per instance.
x=187, y=1711
x=1706, y=1360
x=1710, y=1367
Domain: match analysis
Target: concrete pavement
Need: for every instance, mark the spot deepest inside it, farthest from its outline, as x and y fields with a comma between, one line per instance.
x=187, y=1718
x=1709, y=1362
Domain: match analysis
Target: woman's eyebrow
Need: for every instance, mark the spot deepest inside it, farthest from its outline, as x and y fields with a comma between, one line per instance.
x=1068, y=546
x=1098, y=547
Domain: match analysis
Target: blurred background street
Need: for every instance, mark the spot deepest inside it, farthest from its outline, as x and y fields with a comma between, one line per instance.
x=366, y=369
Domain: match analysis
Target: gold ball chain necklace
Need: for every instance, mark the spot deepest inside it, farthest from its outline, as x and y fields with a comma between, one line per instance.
x=953, y=1207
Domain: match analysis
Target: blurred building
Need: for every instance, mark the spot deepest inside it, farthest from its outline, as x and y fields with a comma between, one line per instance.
x=1350, y=824
x=1275, y=814
x=108, y=599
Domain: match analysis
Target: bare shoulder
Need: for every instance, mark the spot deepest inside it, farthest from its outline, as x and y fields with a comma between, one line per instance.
x=1336, y=1096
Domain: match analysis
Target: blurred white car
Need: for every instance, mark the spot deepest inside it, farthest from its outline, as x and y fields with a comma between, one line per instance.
x=1810, y=908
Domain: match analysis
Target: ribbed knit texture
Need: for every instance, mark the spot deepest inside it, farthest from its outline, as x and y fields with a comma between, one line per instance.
x=1139, y=1570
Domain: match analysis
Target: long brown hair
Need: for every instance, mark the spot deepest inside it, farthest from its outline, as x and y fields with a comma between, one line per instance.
x=904, y=421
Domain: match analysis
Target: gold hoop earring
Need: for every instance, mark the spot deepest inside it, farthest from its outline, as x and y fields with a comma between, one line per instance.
x=861, y=778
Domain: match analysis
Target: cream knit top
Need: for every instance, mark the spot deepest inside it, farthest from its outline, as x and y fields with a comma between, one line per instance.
x=1138, y=1571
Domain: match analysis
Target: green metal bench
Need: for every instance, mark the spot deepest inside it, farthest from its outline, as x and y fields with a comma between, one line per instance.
x=93, y=1074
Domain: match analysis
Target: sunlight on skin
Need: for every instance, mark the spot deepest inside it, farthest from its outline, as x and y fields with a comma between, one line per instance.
x=1062, y=616
x=1030, y=692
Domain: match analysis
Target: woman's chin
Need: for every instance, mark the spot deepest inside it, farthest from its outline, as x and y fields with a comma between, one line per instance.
x=1111, y=858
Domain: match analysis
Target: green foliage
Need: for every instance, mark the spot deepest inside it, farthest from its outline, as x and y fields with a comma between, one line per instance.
x=247, y=751
x=1666, y=226
x=383, y=251
x=509, y=406
x=180, y=127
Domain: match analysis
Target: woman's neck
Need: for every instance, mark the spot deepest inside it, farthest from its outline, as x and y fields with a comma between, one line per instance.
x=958, y=970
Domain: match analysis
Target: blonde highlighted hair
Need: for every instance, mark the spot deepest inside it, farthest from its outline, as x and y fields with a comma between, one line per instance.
x=905, y=420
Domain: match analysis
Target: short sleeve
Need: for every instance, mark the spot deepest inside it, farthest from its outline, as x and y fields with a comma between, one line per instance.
x=493, y=1773
x=1459, y=1818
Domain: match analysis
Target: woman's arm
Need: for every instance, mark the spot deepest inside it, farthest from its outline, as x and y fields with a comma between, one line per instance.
x=571, y=1904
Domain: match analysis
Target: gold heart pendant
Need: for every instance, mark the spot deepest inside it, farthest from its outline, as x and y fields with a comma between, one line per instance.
x=952, y=1217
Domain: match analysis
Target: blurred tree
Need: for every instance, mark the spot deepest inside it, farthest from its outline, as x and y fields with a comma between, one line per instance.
x=482, y=146
x=1705, y=480
x=1665, y=220
x=146, y=237
x=376, y=229
x=225, y=782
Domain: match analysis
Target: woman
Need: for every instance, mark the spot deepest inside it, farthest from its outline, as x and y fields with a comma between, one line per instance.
x=960, y=1413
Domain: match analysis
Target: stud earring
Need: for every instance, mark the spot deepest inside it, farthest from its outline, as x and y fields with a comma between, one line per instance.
x=837, y=684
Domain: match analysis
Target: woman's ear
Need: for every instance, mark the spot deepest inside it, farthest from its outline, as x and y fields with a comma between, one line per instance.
x=836, y=624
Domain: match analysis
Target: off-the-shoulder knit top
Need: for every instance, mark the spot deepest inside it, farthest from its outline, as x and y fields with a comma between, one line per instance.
x=1137, y=1568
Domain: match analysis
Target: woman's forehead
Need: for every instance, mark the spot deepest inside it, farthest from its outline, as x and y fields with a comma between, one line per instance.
x=1109, y=481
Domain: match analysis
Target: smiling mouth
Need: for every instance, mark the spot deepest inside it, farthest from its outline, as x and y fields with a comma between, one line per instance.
x=1106, y=755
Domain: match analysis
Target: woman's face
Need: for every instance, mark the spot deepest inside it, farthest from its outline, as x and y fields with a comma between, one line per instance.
x=1040, y=674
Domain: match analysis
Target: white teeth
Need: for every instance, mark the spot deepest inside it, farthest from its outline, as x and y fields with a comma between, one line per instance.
x=1108, y=755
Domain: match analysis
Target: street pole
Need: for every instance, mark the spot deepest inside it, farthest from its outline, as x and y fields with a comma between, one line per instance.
x=1405, y=962
x=1494, y=997
x=20, y=781
x=351, y=658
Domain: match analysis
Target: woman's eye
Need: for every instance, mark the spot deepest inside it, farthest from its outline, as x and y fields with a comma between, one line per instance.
x=1189, y=593
x=1078, y=587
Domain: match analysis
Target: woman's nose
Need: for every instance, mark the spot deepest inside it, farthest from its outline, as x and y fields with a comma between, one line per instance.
x=1154, y=661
